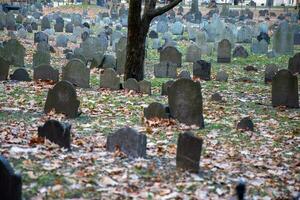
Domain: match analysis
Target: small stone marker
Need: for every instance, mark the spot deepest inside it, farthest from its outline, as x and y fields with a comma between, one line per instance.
x=222, y=76
x=285, y=89
x=270, y=72
x=165, y=86
x=145, y=87
x=294, y=64
x=240, y=51
x=188, y=153
x=185, y=102
x=129, y=141
x=10, y=183
x=132, y=84
x=63, y=99
x=20, y=74
x=56, y=132
x=45, y=72
x=202, y=70
x=245, y=124
x=156, y=110
x=77, y=73
x=224, y=51
x=109, y=79
x=4, y=69
x=165, y=70
x=216, y=97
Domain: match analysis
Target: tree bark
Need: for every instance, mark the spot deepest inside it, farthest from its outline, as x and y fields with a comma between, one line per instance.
x=138, y=27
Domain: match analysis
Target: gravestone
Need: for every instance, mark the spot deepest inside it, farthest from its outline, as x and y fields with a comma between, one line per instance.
x=202, y=70
x=128, y=141
x=34, y=26
x=4, y=69
x=62, y=41
x=188, y=153
x=20, y=74
x=40, y=58
x=10, y=183
x=10, y=21
x=185, y=102
x=285, y=89
x=43, y=46
x=297, y=37
x=145, y=87
x=132, y=84
x=162, y=26
x=245, y=124
x=156, y=110
x=244, y=35
x=171, y=54
x=40, y=37
x=76, y=19
x=184, y=74
x=240, y=51
x=109, y=61
x=121, y=54
x=109, y=79
x=63, y=99
x=216, y=97
x=165, y=86
x=69, y=28
x=77, y=73
x=224, y=51
x=45, y=24
x=165, y=70
x=259, y=47
x=45, y=73
x=294, y=64
x=283, y=39
x=59, y=25
x=177, y=28
x=222, y=76
x=193, y=53
x=270, y=71
x=90, y=47
x=56, y=132
x=14, y=52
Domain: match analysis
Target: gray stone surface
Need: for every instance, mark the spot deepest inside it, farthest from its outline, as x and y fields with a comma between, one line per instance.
x=77, y=73
x=45, y=72
x=156, y=110
x=109, y=79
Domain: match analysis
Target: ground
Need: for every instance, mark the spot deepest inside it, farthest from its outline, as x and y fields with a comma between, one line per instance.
x=267, y=159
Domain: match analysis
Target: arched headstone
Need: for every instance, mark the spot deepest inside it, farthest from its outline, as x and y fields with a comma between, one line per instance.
x=77, y=73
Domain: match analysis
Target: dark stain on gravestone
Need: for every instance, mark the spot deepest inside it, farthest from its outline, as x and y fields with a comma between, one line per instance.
x=56, y=132
x=129, y=141
x=188, y=153
x=10, y=183
x=20, y=75
x=63, y=99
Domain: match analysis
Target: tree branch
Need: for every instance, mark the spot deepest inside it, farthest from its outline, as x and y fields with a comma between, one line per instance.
x=161, y=10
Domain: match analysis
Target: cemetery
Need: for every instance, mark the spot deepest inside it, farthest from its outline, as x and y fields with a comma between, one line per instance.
x=180, y=99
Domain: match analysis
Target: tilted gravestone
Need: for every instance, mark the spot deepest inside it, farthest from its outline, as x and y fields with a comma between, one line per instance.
x=109, y=79
x=41, y=58
x=56, y=132
x=165, y=86
x=14, y=52
x=245, y=124
x=10, y=183
x=224, y=51
x=202, y=70
x=171, y=54
x=63, y=99
x=20, y=74
x=156, y=110
x=145, y=87
x=188, y=153
x=283, y=39
x=185, y=102
x=193, y=53
x=4, y=69
x=129, y=141
x=270, y=71
x=240, y=51
x=77, y=73
x=45, y=72
x=132, y=84
x=222, y=76
x=294, y=64
x=165, y=69
x=285, y=89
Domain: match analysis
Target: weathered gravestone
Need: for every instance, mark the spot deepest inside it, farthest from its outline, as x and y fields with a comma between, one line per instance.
x=14, y=52
x=224, y=51
x=62, y=41
x=109, y=61
x=188, y=153
x=216, y=97
x=171, y=54
x=165, y=86
x=63, y=99
x=40, y=37
x=34, y=26
x=129, y=141
x=56, y=132
x=185, y=102
x=40, y=58
x=45, y=73
x=294, y=64
x=244, y=35
x=202, y=70
x=121, y=54
x=77, y=73
x=165, y=70
x=90, y=47
x=10, y=21
x=270, y=71
x=59, y=25
x=109, y=79
x=245, y=124
x=132, y=84
x=177, y=28
x=222, y=76
x=285, y=89
x=45, y=24
x=283, y=39
x=69, y=28
x=193, y=53
x=145, y=87
x=240, y=51
x=184, y=74
x=259, y=47
x=20, y=74
x=10, y=183
x=4, y=69
x=156, y=110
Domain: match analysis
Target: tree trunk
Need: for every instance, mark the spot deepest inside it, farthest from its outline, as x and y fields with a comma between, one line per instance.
x=195, y=6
